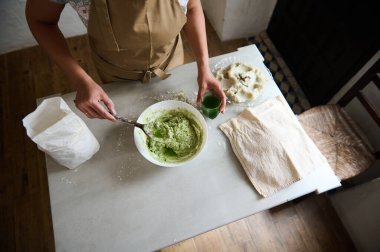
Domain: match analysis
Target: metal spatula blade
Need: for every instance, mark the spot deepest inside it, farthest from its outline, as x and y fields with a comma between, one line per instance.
x=134, y=123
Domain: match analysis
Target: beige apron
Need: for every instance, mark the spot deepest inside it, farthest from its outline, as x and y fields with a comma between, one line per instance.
x=135, y=39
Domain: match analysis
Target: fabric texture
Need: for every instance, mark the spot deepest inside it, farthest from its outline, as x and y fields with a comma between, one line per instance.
x=135, y=40
x=272, y=147
x=346, y=148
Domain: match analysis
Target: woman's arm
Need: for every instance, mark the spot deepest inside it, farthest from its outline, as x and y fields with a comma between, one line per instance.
x=42, y=17
x=195, y=31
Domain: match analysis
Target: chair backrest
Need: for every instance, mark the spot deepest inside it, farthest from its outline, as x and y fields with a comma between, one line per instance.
x=371, y=76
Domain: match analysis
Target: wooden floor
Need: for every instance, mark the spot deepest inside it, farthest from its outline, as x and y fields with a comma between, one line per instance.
x=309, y=224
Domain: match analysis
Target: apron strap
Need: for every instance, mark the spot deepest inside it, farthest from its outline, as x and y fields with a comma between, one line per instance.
x=103, y=65
x=161, y=74
x=157, y=71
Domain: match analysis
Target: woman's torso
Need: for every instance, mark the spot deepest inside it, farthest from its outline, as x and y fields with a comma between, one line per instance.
x=133, y=39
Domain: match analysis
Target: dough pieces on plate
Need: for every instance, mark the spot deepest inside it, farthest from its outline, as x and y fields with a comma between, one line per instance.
x=240, y=82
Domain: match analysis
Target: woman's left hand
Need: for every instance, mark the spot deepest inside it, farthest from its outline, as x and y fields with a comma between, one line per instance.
x=207, y=81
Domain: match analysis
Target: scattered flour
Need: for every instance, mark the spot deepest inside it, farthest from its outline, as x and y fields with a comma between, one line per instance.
x=128, y=168
x=174, y=95
x=121, y=140
x=67, y=180
x=223, y=145
x=70, y=178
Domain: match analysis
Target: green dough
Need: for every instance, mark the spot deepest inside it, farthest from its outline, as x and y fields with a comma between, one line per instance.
x=177, y=135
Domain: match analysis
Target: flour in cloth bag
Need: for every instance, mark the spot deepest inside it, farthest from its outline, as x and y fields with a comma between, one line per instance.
x=60, y=133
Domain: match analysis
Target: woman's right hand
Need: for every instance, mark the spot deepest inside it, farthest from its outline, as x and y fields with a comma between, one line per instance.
x=89, y=98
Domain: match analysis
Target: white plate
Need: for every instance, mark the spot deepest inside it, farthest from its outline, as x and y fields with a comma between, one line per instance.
x=140, y=137
x=235, y=59
x=226, y=62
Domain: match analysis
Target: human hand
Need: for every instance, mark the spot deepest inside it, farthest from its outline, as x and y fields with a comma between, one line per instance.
x=89, y=98
x=206, y=81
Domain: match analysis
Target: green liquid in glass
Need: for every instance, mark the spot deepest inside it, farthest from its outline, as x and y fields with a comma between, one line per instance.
x=211, y=106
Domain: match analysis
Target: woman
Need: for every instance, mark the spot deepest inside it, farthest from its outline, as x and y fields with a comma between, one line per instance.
x=129, y=40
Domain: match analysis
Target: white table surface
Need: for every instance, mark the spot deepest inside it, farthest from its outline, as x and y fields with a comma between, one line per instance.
x=118, y=201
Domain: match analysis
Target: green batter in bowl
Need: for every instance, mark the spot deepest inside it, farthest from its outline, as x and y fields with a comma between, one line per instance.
x=179, y=133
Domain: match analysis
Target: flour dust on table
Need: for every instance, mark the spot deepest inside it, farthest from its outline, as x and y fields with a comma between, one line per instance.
x=178, y=95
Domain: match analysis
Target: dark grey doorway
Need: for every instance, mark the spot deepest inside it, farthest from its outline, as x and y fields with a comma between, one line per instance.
x=325, y=42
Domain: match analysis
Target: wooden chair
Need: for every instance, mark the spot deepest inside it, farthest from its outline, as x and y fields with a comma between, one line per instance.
x=337, y=136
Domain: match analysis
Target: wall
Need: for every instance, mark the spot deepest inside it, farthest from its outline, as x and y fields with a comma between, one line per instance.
x=215, y=10
x=14, y=31
x=230, y=18
x=356, y=110
x=234, y=19
x=246, y=18
x=359, y=207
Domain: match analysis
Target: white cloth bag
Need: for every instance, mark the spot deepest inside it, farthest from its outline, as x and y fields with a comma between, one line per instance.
x=59, y=132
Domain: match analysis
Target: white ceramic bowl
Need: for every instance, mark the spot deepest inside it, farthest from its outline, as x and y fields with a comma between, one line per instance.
x=140, y=137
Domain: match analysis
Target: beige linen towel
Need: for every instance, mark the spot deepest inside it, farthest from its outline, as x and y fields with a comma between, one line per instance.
x=272, y=147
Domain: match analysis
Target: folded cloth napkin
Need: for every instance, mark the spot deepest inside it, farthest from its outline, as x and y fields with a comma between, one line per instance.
x=272, y=147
